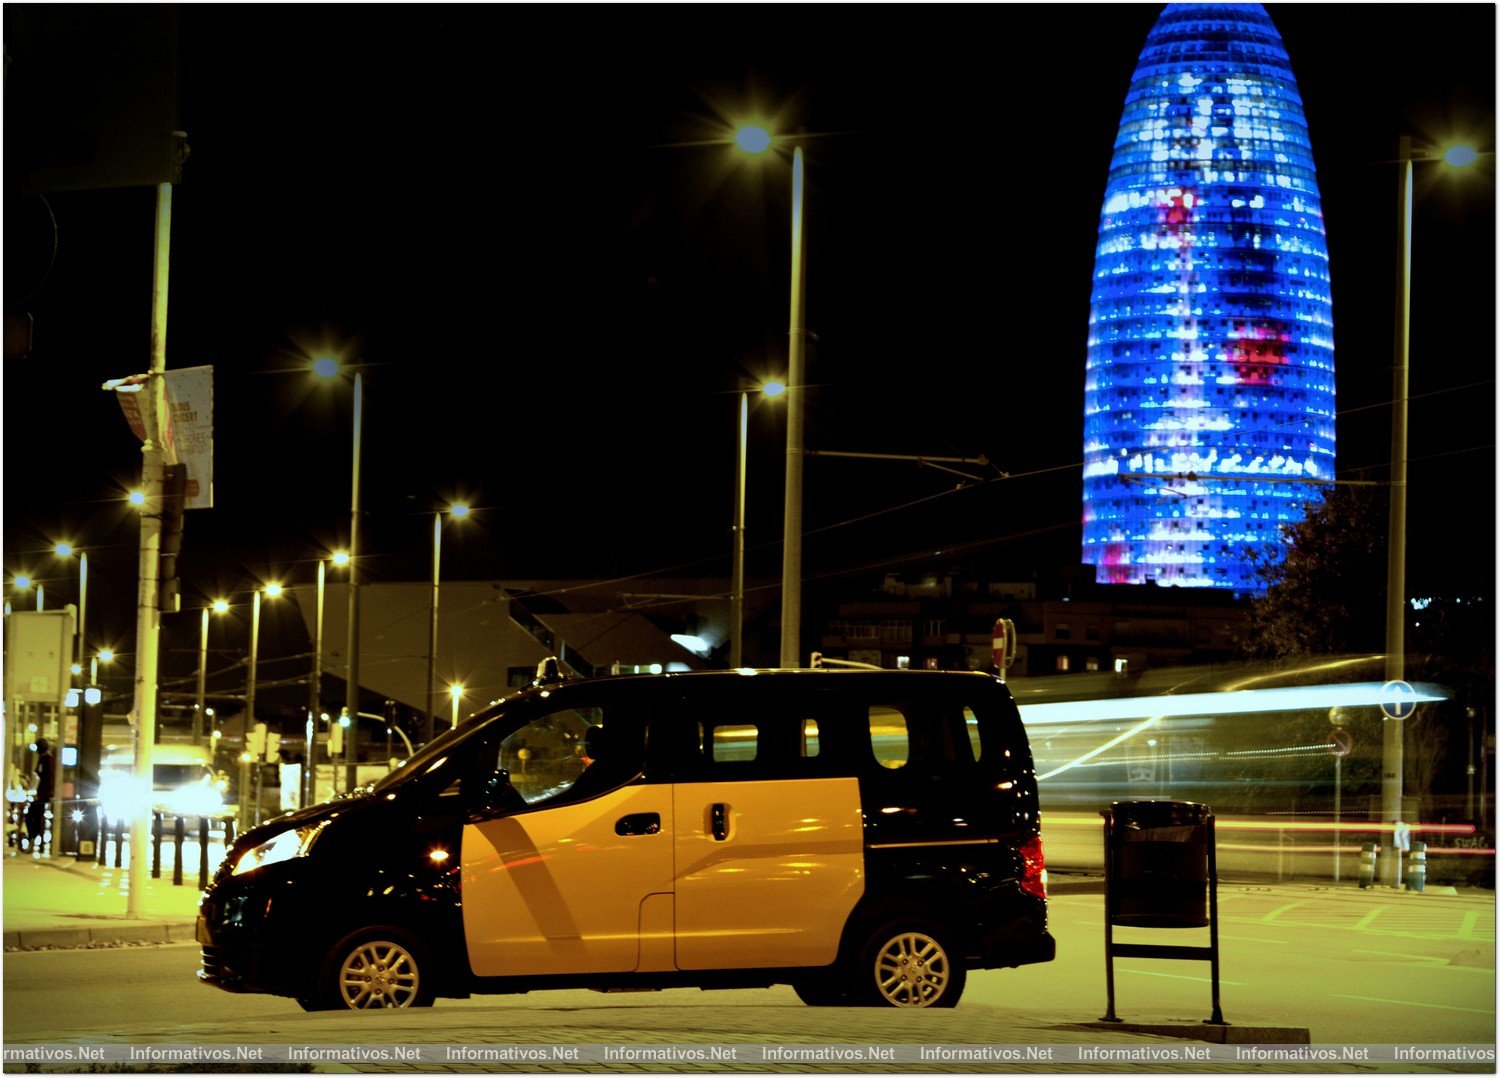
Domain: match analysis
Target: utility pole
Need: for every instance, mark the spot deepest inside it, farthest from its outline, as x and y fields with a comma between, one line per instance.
x=156, y=454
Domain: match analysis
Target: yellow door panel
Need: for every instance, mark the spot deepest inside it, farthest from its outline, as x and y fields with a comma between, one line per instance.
x=767, y=872
x=558, y=890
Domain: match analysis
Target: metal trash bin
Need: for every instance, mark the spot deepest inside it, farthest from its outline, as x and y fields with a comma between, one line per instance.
x=1158, y=868
x=1160, y=872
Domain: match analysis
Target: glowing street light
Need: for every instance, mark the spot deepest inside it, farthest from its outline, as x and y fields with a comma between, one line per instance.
x=23, y=582
x=457, y=694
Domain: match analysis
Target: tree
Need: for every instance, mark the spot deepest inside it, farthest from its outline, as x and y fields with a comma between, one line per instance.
x=1327, y=595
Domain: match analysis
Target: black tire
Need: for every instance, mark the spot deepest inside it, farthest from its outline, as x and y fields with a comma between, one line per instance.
x=909, y=964
x=378, y=967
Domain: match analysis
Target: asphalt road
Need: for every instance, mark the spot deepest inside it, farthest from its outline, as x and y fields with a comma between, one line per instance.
x=1351, y=966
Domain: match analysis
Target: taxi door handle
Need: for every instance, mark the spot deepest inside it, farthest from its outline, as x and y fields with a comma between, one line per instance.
x=720, y=817
x=639, y=823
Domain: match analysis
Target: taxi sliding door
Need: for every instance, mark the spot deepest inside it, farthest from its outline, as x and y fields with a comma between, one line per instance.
x=767, y=868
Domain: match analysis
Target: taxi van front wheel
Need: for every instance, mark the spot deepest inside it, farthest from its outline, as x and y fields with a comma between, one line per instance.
x=910, y=963
x=374, y=968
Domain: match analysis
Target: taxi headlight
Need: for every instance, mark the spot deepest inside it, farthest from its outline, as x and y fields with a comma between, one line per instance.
x=283, y=847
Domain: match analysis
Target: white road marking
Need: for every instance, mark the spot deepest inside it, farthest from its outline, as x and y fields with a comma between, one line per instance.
x=1414, y=1003
x=1178, y=976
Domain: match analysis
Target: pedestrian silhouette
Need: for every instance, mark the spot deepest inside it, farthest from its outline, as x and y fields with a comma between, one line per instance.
x=36, y=812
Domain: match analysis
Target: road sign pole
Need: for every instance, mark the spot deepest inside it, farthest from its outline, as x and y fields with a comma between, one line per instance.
x=1338, y=806
x=1399, y=703
x=1340, y=744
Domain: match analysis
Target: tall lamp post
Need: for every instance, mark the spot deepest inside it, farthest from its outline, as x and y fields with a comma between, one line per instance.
x=1392, y=734
x=66, y=550
x=737, y=581
x=329, y=368
x=458, y=511
x=271, y=591
x=758, y=140
x=200, y=717
x=314, y=693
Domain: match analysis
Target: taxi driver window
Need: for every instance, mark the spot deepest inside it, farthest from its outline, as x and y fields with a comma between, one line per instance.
x=574, y=753
x=545, y=757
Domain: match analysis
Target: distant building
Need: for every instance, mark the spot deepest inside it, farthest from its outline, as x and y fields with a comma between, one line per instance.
x=1209, y=395
x=945, y=621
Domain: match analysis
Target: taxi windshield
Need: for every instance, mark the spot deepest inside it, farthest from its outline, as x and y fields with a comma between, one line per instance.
x=432, y=754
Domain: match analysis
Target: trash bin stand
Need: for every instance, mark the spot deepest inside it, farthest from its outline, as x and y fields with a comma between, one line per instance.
x=1112, y=949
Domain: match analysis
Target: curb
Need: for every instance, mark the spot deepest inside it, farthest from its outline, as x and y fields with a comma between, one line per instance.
x=30, y=939
x=1214, y=1033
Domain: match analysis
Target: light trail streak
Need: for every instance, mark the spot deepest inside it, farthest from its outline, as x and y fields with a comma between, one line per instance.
x=1238, y=702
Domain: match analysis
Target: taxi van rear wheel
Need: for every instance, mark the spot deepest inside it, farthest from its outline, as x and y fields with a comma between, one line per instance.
x=374, y=968
x=910, y=963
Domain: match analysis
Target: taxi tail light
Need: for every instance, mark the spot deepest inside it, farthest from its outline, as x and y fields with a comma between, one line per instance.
x=1034, y=868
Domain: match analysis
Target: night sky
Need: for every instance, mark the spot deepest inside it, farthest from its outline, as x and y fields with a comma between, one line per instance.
x=509, y=218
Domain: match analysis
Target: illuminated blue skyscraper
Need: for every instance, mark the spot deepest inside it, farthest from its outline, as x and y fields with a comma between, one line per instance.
x=1209, y=398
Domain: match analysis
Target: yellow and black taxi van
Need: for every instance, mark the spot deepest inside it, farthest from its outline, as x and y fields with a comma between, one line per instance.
x=866, y=837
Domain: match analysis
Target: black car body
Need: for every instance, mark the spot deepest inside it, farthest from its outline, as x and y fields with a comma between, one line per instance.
x=859, y=835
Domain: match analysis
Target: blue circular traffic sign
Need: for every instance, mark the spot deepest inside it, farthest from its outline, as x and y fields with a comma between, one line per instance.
x=1400, y=699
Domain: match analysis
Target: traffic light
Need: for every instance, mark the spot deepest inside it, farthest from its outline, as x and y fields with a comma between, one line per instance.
x=273, y=747
x=255, y=742
x=174, y=497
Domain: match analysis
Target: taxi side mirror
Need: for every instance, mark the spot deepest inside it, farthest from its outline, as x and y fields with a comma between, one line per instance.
x=493, y=797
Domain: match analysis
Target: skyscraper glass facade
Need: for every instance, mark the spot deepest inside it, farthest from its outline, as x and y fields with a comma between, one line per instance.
x=1209, y=395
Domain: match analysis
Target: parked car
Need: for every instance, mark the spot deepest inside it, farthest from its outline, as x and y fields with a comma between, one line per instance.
x=863, y=837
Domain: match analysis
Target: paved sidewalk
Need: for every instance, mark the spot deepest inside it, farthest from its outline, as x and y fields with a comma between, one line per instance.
x=62, y=902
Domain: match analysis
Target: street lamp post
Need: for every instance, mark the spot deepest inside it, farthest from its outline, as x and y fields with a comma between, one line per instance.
x=737, y=581
x=200, y=716
x=245, y=756
x=757, y=140
x=329, y=368
x=80, y=646
x=201, y=698
x=1392, y=734
x=456, y=692
x=796, y=410
x=458, y=511
x=314, y=694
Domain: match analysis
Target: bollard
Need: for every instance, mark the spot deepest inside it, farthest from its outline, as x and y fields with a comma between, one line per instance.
x=119, y=842
x=1416, y=868
x=202, y=853
x=1367, y=854
x=156, y=845
x=101, y=836
x=179, y=833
